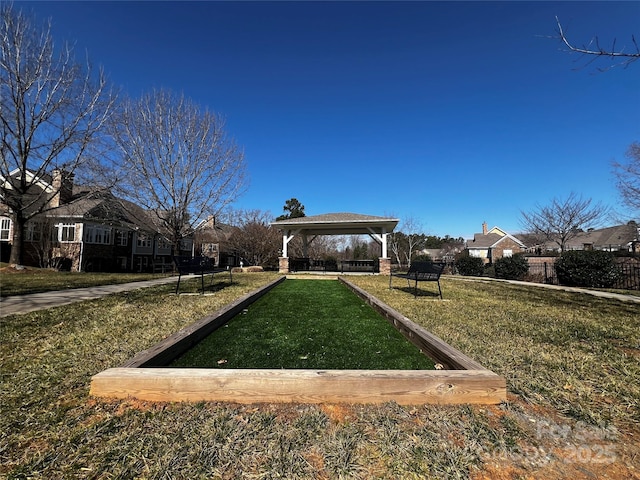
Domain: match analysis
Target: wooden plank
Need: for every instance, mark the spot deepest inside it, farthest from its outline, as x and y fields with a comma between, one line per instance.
x=434, y=347
x=301, y=386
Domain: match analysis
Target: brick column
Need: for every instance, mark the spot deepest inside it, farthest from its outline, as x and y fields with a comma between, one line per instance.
x=385, y=266
x=283, y=264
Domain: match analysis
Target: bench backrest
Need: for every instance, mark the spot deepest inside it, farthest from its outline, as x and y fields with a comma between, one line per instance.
x=193, y=264
x=427, y=270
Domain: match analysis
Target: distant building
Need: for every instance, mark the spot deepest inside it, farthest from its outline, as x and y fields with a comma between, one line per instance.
x=490, y=245
x=619, y=238
x=211, y=240
x=90, y=230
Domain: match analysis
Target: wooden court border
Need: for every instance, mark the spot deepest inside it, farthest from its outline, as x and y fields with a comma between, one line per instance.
x=145, y=377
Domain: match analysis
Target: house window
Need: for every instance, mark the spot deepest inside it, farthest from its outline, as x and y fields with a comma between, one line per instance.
x=163, y=244
x=144, y=240
x=210, y=248
x=98, y=234
x=507, y=253
x=33, y=232
x=5, y=228
x=122, y=238
x=142, y=264
x=66, y=232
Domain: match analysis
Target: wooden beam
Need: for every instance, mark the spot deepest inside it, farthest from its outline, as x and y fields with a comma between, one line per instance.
x=301, y=386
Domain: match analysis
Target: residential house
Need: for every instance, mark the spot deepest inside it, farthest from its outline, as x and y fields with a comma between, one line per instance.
x=86, y=229
x=212, y=240
x=619, y=238
x=490, y=245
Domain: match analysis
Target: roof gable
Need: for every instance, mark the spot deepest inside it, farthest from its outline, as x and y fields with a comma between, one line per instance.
x=498, y=231
x=493, y=237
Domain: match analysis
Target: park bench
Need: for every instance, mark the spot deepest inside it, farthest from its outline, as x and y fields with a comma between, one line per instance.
x=357, y=266
x=162, y=266
x=313, y=265
x=197, y=266
x=421, y=272
x=300, y=264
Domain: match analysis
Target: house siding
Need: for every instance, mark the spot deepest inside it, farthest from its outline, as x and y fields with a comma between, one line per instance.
x=497, y=252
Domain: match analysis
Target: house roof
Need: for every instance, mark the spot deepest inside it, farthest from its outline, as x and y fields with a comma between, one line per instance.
x=107, y=209
x=485, y=241
x=616, y=236
x=95, y=204
x=75, y=209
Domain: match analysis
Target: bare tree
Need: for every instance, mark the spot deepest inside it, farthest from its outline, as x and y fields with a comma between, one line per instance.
x=406, y=240
x=254, y=239
x=41, y=237
x=322, y=246
x=52, y=109
x=395, y=243
x=594, y=50
x=415, y=238
x=562, y=219
x=176, y=161
x=628, y=178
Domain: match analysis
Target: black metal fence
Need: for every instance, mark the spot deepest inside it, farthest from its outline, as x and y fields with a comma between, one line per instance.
x=546, y=273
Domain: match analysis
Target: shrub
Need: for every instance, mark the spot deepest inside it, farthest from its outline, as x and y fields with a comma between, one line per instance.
x=422, y=258
x=512, y=268
x=587, y=268
x=489, y=270
x=470, y=266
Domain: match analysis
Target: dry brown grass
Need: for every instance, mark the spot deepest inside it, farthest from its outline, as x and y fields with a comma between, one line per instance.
x=569, y=361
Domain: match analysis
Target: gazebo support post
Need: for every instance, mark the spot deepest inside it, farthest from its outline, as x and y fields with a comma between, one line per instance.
x=283, y=264
x=385, y=266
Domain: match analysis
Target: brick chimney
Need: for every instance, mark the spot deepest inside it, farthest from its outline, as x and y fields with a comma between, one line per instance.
x=62, y=184
x=484, y=228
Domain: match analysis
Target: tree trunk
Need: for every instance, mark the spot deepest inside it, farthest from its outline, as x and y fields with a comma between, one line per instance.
x=16, y=257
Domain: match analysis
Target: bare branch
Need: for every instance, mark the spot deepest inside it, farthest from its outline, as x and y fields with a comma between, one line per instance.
x=628, y=179
x=598, y=51
x=176, y=161
x=562, y=219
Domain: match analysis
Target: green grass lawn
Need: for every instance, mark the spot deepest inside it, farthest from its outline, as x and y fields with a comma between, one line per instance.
x=317, y=324
x=571, y=361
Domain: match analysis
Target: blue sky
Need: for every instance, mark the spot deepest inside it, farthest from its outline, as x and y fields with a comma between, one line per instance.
x=449, y=113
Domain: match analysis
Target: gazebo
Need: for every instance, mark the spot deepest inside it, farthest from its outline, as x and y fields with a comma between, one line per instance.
x=336, y=224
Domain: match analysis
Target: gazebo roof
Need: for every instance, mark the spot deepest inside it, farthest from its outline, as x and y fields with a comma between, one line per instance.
x=338, y=224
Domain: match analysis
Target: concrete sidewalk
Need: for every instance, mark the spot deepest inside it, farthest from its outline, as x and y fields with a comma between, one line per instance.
x=37, y=301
